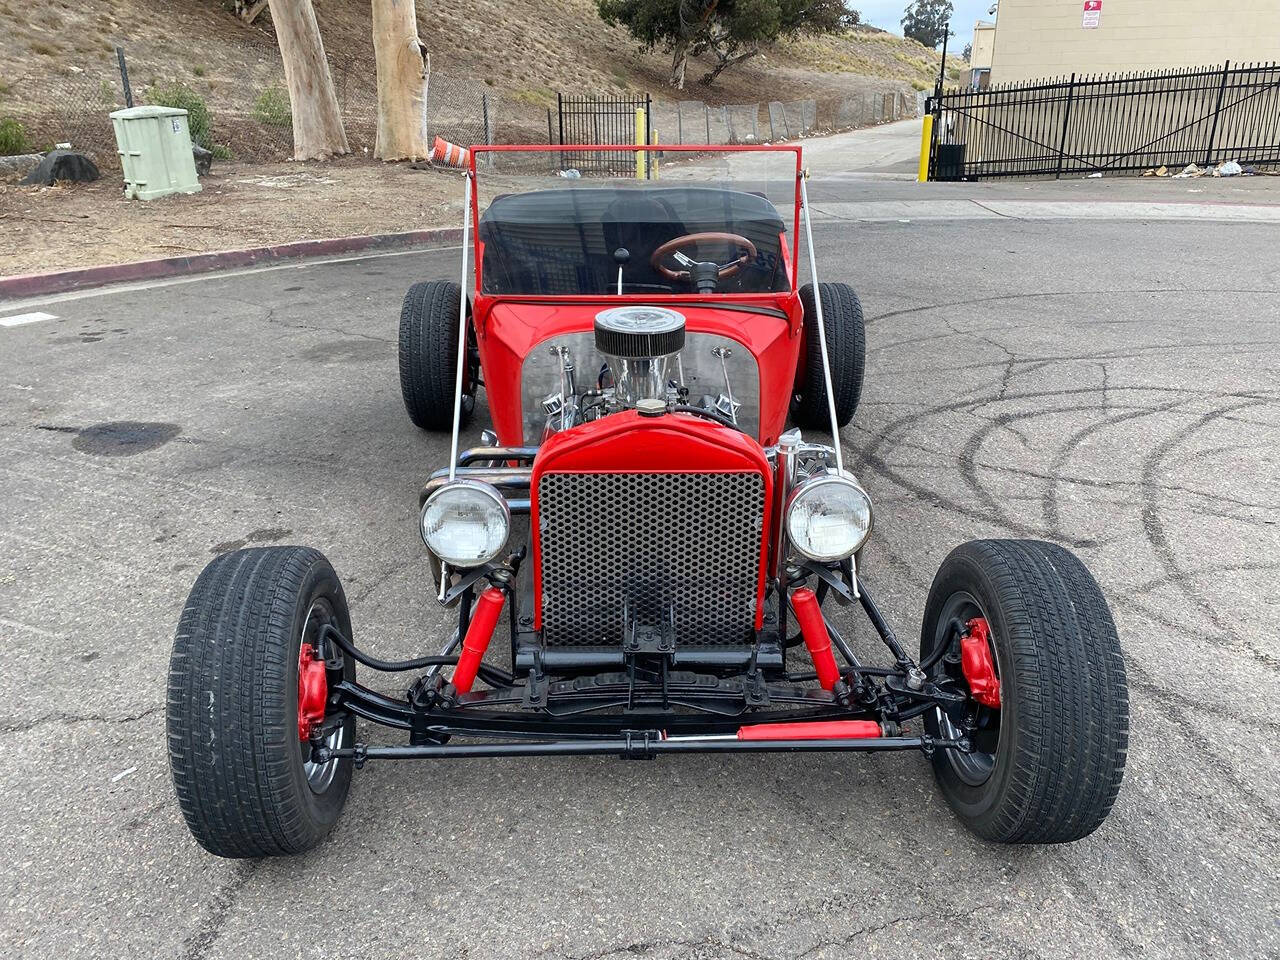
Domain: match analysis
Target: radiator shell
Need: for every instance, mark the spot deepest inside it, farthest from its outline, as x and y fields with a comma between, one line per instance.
x=676, y=455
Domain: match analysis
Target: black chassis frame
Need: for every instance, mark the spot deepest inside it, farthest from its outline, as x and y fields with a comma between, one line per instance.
x=644, y=697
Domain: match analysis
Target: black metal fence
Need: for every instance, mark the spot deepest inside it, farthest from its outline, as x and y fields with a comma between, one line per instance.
x=591, y=119
x=1109, y=123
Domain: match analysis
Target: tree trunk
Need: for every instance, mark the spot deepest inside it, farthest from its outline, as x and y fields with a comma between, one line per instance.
x=248, y=10
x=403, y=70
x=724, y=63
x=317, y=125
x=679, y=61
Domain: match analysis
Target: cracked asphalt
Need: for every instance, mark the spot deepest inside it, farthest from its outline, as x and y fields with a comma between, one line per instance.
x=1110, y=384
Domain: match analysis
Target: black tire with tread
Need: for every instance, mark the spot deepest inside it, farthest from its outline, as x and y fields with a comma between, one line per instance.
x=847, y=346
x=1064, y=725
x=232, y=704
x=429, y=354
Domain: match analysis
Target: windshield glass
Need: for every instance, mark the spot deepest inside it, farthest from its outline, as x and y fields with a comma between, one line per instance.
x=659, y=222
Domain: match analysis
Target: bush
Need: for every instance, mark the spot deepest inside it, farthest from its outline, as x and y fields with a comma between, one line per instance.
x=199, y=120
x=13, y=138
x=272, y=108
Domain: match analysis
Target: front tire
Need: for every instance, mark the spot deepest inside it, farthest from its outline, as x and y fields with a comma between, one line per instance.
x=242, y=773
x=429, y=356
x=847, y=349
x=1049, y=759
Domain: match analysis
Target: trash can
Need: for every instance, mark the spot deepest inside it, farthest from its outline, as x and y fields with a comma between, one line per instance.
x=154, y=144
x=948, y=162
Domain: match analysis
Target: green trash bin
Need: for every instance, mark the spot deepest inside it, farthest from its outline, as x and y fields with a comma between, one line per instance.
x=154, y=144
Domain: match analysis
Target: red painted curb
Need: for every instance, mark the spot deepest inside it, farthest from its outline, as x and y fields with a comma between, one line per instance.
x=63, y=281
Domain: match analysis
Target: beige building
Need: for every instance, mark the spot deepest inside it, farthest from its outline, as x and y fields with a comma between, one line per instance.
x=984, y=39
x=1051, y=38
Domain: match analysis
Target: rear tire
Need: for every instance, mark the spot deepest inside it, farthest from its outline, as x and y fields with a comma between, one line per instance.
x=429, y=355
x=241, y=773
x=1054, y=770
x=847, y=347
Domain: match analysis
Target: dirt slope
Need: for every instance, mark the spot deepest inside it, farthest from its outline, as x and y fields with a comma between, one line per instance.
x=525, y=50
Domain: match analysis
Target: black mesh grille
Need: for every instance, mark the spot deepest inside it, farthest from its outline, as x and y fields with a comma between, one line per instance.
x=650, y=541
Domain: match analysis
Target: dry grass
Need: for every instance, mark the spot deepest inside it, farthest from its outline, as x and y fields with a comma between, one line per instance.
x=524, y=50
x=83, y=224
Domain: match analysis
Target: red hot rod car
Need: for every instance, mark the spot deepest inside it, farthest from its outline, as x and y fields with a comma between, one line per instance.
x=656, y=541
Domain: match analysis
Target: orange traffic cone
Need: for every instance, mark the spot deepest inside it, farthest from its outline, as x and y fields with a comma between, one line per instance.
x=449, y=154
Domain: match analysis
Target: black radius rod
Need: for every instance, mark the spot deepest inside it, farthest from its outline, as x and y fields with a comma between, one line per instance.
x=635, y=746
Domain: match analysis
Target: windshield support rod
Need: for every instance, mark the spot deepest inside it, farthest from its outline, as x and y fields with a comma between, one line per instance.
x=462, y=327
x=822, y=325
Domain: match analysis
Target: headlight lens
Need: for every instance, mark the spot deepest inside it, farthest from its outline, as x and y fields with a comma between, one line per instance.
x=828, y=517
x=465, y=523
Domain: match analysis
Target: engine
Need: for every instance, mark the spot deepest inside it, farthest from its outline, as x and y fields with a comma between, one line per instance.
x=638, y=356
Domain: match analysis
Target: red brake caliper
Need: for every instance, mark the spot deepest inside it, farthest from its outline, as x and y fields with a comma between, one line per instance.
x=313, y=691
x=975, y=662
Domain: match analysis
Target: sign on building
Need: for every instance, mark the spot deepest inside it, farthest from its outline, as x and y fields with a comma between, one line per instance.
x=1092, y=14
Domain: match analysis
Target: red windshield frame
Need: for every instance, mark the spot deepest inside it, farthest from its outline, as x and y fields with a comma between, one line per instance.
x=790, y=255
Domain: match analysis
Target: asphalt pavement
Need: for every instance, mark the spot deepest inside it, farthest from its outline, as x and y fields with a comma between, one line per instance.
x=1108, y=383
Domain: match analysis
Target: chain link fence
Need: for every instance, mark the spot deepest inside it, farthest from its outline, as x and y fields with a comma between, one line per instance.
x=249, y=120
x=694, y=122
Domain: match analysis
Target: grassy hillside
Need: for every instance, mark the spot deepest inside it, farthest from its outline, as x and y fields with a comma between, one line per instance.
x=524, y=50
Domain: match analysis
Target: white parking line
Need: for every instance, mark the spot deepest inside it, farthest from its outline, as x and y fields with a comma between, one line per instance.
x=21, y=318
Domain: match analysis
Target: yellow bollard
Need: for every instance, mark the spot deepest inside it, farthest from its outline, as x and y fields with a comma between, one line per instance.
x=640, y=142
x=926, y=142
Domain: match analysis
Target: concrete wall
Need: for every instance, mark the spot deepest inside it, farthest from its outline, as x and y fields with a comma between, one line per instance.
x=1045, y=38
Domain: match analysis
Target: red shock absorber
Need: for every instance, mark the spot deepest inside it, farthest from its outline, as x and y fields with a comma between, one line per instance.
x=483, y=619
x=812, y=730
x=814, y=629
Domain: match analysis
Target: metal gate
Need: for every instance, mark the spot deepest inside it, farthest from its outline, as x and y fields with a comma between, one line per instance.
x=1109, y=123
x=586, y=119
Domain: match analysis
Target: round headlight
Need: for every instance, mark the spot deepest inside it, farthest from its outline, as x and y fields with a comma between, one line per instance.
x=828, y=517
x=465, y=523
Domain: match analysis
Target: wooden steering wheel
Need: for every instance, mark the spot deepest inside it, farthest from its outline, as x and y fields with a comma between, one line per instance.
x=693, y=239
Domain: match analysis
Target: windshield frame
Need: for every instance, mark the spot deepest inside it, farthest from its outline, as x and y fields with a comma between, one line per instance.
x=790, y=250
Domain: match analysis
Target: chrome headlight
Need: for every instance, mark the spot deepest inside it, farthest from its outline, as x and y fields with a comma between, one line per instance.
x=828, y=517
x=465, y=523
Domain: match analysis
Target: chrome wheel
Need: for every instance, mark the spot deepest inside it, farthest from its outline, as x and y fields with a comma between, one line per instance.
x=319, y=775
x=976, y=767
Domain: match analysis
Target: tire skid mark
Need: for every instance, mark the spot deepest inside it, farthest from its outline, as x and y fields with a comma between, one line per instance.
x=1153, y=525
x=1073, y=294
x=1132, y=848
x=1111, y=484
x=931, y=496
x=1227, y=639
x=883, y=438
x=1204, y=570
x=1174, y=707
x=197, y=945
x=1103, y=913
x=1049, y=505
x=971, y=404
x=1265, y=348
x=1148, y=685
x=992, y=513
